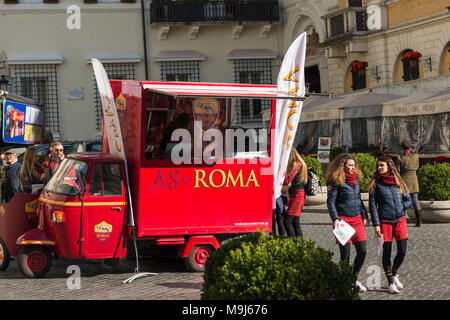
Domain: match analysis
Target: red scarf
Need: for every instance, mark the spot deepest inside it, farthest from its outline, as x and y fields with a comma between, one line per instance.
x=387, y=179
x=350, y=179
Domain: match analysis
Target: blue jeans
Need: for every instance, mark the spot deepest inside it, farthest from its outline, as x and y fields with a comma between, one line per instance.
x=281, y=203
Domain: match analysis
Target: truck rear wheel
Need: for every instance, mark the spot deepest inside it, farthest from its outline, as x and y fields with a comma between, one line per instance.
x=34, y=261
x=5, y=258
x=196, y=260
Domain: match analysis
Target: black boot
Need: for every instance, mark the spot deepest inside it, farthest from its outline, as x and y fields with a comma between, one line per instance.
x=418, y=218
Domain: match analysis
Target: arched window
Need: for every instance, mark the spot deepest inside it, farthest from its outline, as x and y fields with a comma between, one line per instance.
x=358, y=70
x=410, y=60
x=445, y=60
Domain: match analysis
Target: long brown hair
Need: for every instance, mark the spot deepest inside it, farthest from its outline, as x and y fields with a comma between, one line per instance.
x=294, y=157
x=27, y=172
x=392, y=170
x=336, y=172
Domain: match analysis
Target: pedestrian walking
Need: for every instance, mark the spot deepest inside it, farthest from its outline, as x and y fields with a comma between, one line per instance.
x=31, y=172
x=344, y=203
x=11, y=186
x=407, y=165
x=388, y=200
x=297, y=177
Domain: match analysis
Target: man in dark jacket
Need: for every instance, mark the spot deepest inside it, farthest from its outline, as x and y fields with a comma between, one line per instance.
x=12, y=176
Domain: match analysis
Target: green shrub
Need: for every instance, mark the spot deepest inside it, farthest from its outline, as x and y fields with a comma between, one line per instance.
x=335, y=151
x=434, y=181
x=368, y=164
x=263, y=268
x=314, y=164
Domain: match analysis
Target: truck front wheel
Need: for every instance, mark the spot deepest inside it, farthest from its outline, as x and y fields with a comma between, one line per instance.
x=196, y=260
x=4, y=256
x=34, y=261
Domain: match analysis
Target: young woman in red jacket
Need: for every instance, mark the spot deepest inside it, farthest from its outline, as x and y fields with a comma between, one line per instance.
x=296, y=176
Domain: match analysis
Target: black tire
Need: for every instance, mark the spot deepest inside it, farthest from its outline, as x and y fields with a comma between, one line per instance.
x=197, y=258
x=35, y=261
x=5, y=258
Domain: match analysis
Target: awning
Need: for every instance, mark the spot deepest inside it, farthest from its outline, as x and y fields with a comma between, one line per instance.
x=367, y=105
x=251, y=54
x=355, y=105
x=115, y=57
x=181, y=55
x=218, y=90
x=35, y=58
x=418, y=104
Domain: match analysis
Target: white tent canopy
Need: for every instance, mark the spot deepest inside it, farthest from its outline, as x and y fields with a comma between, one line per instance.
x=423, y=118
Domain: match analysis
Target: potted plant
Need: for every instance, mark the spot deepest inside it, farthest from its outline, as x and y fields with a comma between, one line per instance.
x=359, y=66
x=412, y=58
x=434, y=195
x=321, y=198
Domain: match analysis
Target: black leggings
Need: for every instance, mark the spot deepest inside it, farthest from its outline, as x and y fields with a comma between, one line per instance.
x=360, y=255
x=292, y=226
x=398, y=260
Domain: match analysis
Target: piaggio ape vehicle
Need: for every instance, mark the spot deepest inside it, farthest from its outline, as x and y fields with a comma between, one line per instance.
x=21, y=124
x=194, y=205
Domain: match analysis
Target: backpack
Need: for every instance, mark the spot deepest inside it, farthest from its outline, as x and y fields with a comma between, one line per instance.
x=312, y=187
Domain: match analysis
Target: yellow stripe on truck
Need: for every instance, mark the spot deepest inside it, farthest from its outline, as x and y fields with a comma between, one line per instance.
x=88, y=204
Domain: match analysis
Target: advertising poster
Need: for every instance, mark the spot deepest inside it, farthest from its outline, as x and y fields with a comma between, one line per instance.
x=22, y=123
x=323, y=153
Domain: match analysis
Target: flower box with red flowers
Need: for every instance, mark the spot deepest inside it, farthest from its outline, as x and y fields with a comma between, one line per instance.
x=359, y=65
x=411, y=55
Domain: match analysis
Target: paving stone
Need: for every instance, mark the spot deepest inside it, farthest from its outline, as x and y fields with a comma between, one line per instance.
x=425, y=273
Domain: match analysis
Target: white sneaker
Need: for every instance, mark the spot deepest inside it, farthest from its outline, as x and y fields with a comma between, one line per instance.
x=397, y=283
x=393, y=289
x=360, y=286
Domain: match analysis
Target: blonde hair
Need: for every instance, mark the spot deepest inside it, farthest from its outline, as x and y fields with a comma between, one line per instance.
x=294, y=157
x=392, y=170
x=336, y=172
x=27, y=169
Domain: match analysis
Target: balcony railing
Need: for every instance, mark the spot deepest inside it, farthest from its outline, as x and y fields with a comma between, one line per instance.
x=350, y=21
x=213, y=11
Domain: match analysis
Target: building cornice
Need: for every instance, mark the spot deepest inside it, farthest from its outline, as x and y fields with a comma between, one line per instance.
x=410, y=25
x=61, y=8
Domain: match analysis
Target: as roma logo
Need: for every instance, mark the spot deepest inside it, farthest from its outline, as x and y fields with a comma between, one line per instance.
x=103, y=231
x=206, y=110
x=121, y=103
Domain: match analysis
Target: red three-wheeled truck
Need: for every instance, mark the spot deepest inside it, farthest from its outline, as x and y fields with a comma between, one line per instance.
x=195, y=205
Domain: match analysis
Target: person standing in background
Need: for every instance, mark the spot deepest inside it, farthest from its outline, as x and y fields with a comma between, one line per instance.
x=56, y=157
x=31, y=172
x=11, y=186
x=407, y=165
x=297, y=177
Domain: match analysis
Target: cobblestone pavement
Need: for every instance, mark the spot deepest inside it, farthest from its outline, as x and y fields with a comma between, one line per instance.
x=425, y=272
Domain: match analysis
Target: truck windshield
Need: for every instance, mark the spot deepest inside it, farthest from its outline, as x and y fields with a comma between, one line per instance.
x=68, y=177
